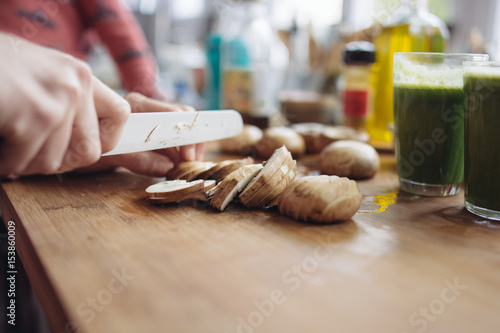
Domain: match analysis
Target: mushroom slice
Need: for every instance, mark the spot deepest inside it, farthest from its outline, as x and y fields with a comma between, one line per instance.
x=233, y=184
x=270, y=167
x=278, y=189
x=209, y=172
x=171, y=191
x=230, y=166
x=202, y=195
x=267, y=187
x=194, y=172
x=183, y=168
x=159, y=188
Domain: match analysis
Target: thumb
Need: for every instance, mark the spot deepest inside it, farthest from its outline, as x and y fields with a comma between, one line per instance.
x=144, y=163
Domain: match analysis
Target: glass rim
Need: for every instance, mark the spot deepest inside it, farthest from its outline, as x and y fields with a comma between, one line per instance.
x=482, y=63
x=446, y=54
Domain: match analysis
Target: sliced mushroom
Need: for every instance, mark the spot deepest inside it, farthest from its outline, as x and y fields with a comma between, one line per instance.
x=259, y=196
x=202, y=195
x=229, y=167
x=183, y=168
x=232, y=185
x=271, y=166
x=173, y=190
x=271, y=196
x=196, y=170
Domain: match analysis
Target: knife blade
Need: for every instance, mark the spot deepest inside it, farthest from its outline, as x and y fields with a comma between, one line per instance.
x=157, y=130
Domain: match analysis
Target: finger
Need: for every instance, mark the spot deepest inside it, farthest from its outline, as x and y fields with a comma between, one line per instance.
x=172, y=153
x=200, y=151
x=145, y=163
x=85, y=144
x=141, y=103
x=112, y=111
x=188, y=152
x=50, y=157
x=186, y=107
x=26, y=134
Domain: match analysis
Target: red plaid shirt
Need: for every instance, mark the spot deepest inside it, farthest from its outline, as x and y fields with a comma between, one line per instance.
x=71, y=26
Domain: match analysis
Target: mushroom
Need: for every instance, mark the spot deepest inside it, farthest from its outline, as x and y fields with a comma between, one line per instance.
x=276, y=137
x=232, y=185
x=348, y=158
x=244, y=141
x=321, y=199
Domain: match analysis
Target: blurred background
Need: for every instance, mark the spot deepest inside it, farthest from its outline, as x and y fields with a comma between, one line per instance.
x=187, y=37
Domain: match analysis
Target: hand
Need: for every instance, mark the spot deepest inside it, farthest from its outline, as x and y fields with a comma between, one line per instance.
x=153, y=163
x=140, y=103
x=48, y=118
x=56, y=117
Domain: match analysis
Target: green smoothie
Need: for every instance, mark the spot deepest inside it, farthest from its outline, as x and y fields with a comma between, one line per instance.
x=482, y=140
x=429, y=123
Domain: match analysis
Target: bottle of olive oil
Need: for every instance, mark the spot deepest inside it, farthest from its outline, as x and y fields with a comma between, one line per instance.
x=411, y=29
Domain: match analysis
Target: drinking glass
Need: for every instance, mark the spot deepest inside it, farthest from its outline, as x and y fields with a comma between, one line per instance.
x=429, y=121
x=482, y=139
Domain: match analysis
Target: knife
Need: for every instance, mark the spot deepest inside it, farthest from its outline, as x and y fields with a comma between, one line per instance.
x=157, y=130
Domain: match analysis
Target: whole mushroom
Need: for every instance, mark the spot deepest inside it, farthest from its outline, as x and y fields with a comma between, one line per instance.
x=243, y=142
x=275, y=137
x=349, y=158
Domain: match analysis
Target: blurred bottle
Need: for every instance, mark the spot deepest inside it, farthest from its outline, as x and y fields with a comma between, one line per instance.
x=300, y=102
x=213, y=41
x=411, y=29
x=298, y=73
x=212, y=85
x=356, y=84
x=253, y=61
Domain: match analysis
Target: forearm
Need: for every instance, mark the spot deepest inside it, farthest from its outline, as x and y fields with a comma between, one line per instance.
x=120, y=32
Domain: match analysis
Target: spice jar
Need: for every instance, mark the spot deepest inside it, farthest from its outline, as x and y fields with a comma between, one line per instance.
x=356, y=85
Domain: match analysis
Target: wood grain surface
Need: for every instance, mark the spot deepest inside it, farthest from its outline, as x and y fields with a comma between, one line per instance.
x=103, y=259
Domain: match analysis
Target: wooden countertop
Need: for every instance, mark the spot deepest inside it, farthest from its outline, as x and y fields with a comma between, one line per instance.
x=102, y=259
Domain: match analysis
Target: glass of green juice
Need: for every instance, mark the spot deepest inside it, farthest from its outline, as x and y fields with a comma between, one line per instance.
x=429, y=121
x=482, y=139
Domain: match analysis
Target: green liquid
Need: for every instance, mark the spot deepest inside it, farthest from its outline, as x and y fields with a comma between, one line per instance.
x=482, y=141
x=429, y=124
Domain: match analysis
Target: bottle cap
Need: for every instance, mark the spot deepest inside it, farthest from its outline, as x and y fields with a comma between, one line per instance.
x=359, y=52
